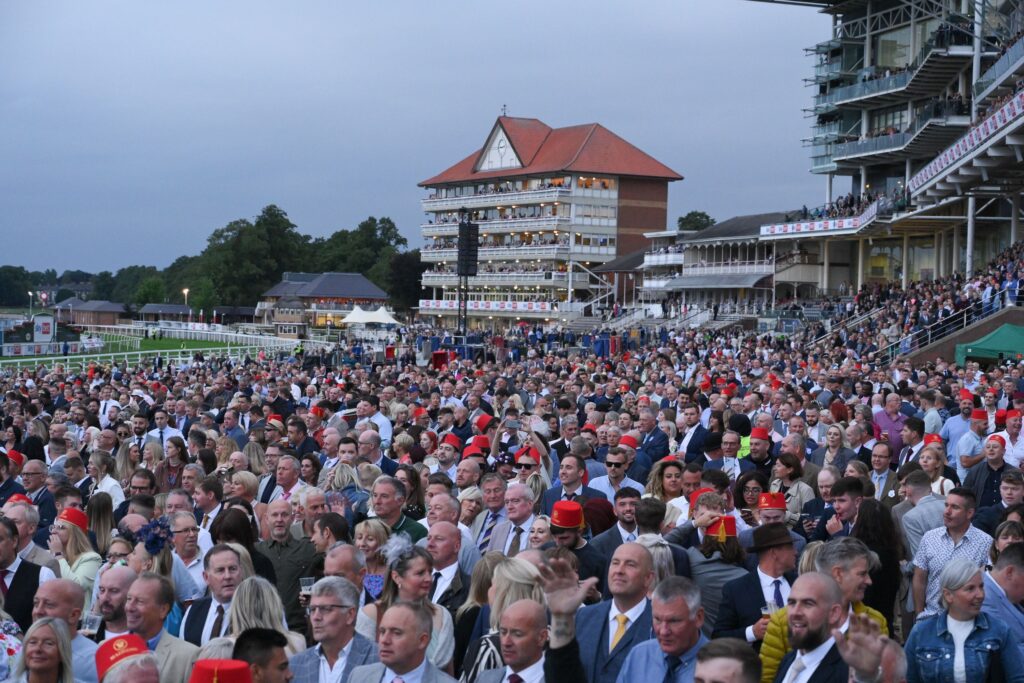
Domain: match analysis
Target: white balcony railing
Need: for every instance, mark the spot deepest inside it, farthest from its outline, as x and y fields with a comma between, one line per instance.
x=474, y=201
x=668, y=259
x=507, y=225
x=750, y=267
x=541, y=278
x=559, y=251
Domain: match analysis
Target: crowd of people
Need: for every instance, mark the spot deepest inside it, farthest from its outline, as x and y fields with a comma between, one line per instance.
x=694, y=506
x=537, y=239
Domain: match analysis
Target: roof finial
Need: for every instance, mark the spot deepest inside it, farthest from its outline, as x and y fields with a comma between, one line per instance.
x=504, y=110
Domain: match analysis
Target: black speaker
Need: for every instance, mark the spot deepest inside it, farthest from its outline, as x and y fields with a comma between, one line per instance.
x=469, y=249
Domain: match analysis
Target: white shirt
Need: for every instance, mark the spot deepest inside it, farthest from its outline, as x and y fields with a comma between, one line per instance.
x=1014, y=451
x=110, y=486
x=960, y=630
x=195, y=569
x=625, y=533
x=811, y=661
x=531, y=674
x=632, y=614
x=768, y=589
x=524, y=539
x=45, y=574
x=333, y=674
x=414, y=676
x=169, y=431
x=447, y=576
x=211, y=616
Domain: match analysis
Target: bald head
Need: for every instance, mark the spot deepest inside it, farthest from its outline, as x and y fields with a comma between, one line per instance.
x=523, y=633
x=60, y=599
x=444, y=541
x=113, y=593
x=133, y=522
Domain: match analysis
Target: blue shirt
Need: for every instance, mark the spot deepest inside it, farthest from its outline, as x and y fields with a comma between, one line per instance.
x=646, y=662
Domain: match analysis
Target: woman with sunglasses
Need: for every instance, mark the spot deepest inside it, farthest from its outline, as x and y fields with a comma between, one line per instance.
x=69, y=543
x=526, y=464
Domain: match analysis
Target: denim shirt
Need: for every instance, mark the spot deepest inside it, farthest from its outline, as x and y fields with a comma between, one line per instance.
x=930, y=651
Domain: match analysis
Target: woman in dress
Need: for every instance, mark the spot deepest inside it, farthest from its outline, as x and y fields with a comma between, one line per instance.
x=665, y=483
x=46, y=655
x=933, y=462
x=415, y=508
x=787, y=472
x=835, y=451
x=69, y=543
x=371, y=535
x=104, y=476
x=152, y=455
x=168, y=470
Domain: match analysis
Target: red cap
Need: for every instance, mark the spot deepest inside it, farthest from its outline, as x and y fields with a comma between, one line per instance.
x=472, y=451
x=16, y=457
x=567, y=514
x=1012, y=413
x=776, y=384
x=979, y=414
x=719, y=381
x=966, y=395
x=116, y=650
x=530, y=452
x=483, y=422
x=643, y=399
x=318, y=411
x=419, y=412
x=722, y=528
x=589, y=428
x=1001, y=416
x=482, y=442
x=220, y=671
x=76, y=517
x=771, y=501
x=705, y=385
x=629, y=441
x=996, y=437
x=993, y=391
x=760, y=433
x=452, y=440
x=932, y=438
x=697, y=494
x=20, y=498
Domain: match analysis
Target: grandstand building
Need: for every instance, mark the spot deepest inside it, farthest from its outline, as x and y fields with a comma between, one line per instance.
x=552, y=204
x=917, y=114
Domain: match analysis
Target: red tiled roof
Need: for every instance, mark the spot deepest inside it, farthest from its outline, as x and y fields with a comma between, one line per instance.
x=588, y=148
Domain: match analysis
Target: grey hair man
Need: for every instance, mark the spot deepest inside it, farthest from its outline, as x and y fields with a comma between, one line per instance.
x=333, y=607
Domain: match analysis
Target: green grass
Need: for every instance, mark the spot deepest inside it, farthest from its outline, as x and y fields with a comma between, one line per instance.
x=175, y=344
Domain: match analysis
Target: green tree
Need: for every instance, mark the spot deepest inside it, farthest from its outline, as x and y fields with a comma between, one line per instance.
x=103, y=286
x=695, y=220
x=15, y=283
x=129, y=280
x=63, y=295
x=70, y=277
x=405, y=272
x=202, y=296
x=151, y=290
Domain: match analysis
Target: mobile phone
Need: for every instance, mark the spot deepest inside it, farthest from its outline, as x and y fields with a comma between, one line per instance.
x=513, y=424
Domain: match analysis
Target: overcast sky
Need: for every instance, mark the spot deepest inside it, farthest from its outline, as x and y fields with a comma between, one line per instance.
x=129, y=131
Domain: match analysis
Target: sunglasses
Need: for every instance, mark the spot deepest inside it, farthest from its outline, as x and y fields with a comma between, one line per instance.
x=524, y=466
x=614, y=464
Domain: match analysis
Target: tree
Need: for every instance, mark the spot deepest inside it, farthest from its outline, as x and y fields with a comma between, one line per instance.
x=70, y=277
x=150, y=291
x=63, y=295
x=103, y=285
x=695, y=220
x=405, y=273
x=203, y=296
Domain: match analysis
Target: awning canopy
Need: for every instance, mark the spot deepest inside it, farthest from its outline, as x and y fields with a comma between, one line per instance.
x=382, y=317
x=730, y=281
x=1007, y=341
x=360, y=317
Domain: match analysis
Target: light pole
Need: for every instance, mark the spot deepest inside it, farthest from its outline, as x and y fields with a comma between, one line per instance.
x=30, y=305
x=185, y=292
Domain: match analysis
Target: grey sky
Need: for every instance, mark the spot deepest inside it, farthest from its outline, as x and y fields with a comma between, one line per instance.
x=131, y=130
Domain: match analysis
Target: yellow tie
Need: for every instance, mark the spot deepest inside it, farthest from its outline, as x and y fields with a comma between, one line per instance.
x=620, y=631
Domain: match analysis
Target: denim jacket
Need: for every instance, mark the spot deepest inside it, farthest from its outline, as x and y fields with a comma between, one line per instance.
x=930, y=651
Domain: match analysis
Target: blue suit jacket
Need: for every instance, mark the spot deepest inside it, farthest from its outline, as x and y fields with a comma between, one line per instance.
x=745, y=465
x=306, y=664
x=592, y=634
x=554, y=494
x=997, y=606
x=742, y=600
x=655, y=445
x=695, y=449
x=832, y=668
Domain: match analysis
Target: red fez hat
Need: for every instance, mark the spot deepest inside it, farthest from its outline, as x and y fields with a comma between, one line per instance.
x=993, y=391
x=419, y=412
x=1001, y=416
x=16, y=457
x=1012, y=413
x=567, y=514
x=318, y=411
x=996, y=437
x=760, y=433
x=719, y=381
x=722, y=528
x=979, y=414
x=589, y=428
x=697, y=494
x=483, y=422
x=932, y=438
x=76, y=517
x=530, y=452
x=481, y=442
x=705, y=385
x=776, y=384
x=116, y=650
x=20, y=498
x=771, y=501
x=643, y=399
x=629, y=441
x=452, y=440
x=472, y=451
x=966, y=395
x=220, y=671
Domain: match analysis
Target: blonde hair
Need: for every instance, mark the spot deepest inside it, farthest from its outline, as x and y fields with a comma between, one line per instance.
x=244, y=559
x=248, y=481
x=257, y=457
x=343, y=476
x=156, y=449
x=513, y=580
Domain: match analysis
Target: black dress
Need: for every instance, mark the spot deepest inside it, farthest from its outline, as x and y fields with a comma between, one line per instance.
x=885, y=584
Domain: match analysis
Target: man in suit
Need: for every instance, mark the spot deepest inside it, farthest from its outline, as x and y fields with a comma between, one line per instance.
x=741, y=614
x=607, y=631
x=404, y=635
x=33, y=477
x=8, y=484
x=21, y=578
x=450, y=586
x=692, y=441
x=493, y=487
x=262, y=649
x=816, y=608
x=927, y=512
x=570, y=474
x=345, y=560
x=207, y=618
x=110, y=601
x=771, y=509
x=980, y=477
x=333, y=606
x=63, y=599
x=653, y=441
x=26, y=518
x=150, y=599
x=624, y=530
x=728, y=462
x=885, y=480
x=847, y=493
x=524, y=626
x=1004, y=590
x=512, y=535
x=1011, y=492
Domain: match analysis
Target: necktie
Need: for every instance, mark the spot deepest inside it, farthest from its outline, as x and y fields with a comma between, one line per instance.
x=671, y=666
x=904, y=455
x=433, y=585
x=629, y=538
x=795, y=669
x=206, y=520
x=570, y=496
x=517, y=542
x=397, y=679
x=3, y=581
x=139, y=441
x=286, y=495
x=620, y=630
x=161, y=437
x=218, y=623
x=778, y=593
x=515, y=678
x=488, y=528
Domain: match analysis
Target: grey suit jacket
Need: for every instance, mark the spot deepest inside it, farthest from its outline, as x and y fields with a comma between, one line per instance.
x=499, y=537
x=373, y=673
x=37, y=555
x=925, y=516
x=491, y=676
x=174, y=658
x=306, y=664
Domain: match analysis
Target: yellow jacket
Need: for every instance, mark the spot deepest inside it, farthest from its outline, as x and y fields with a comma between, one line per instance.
x=776, y=639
